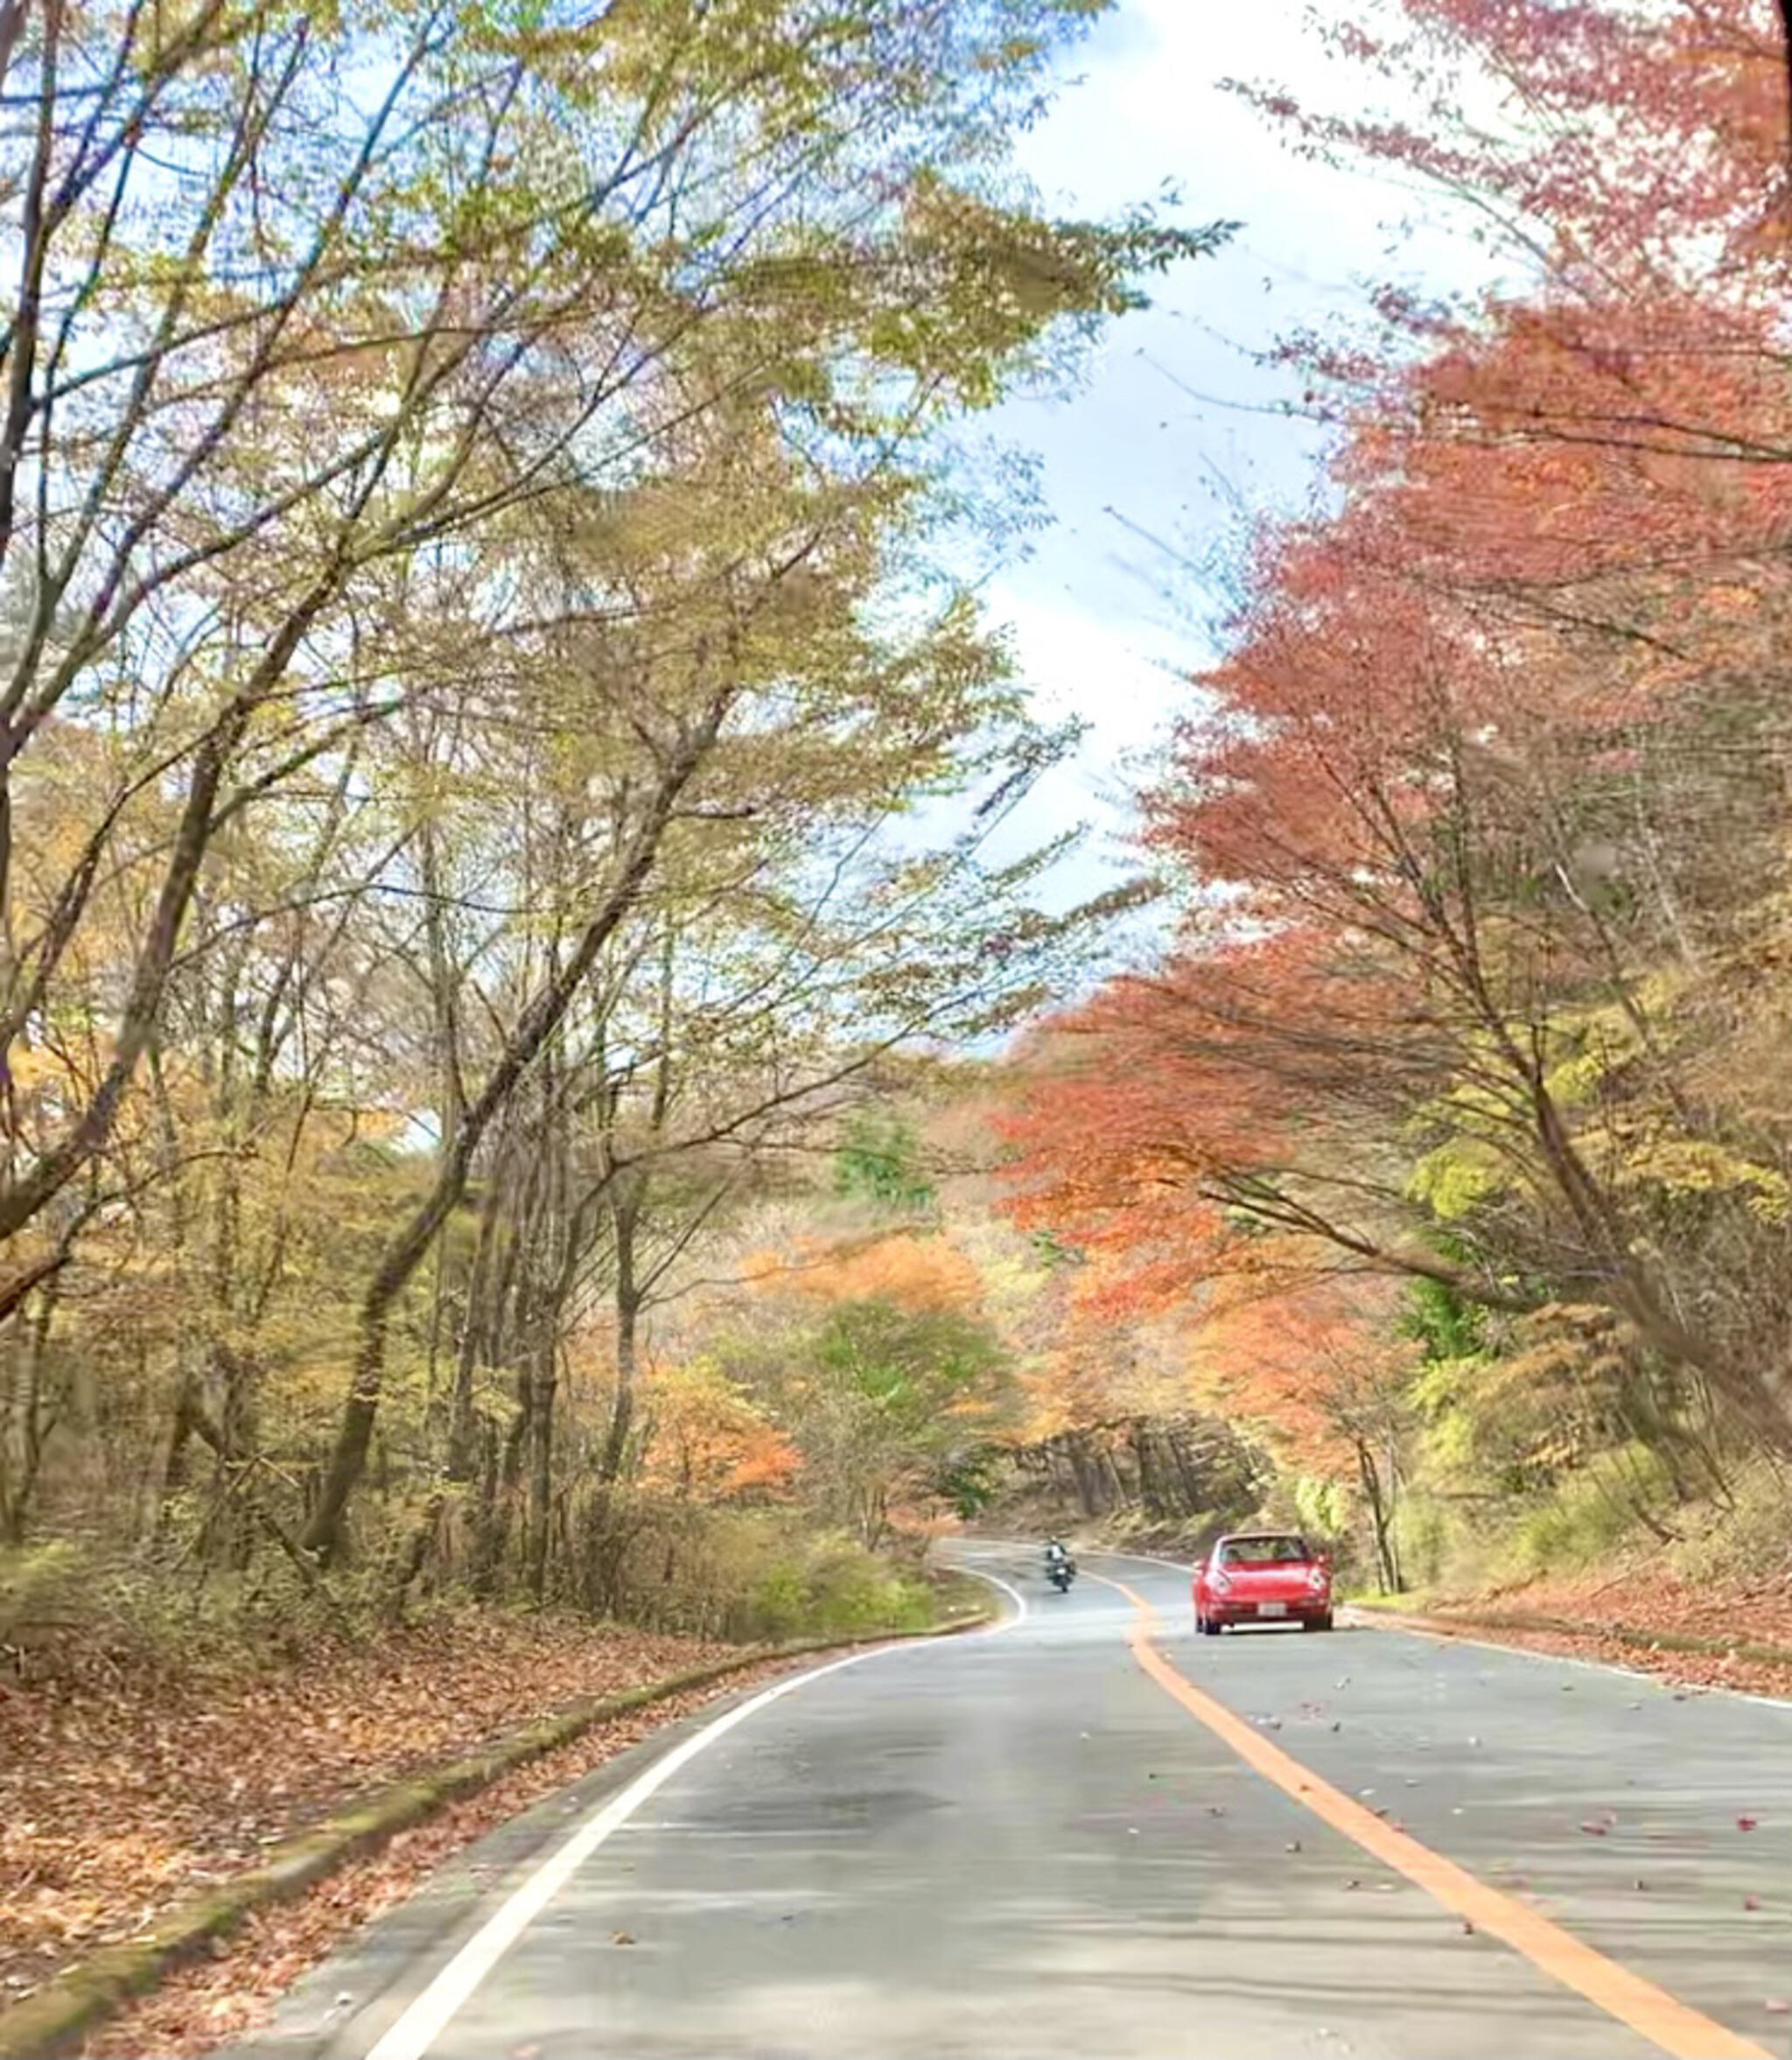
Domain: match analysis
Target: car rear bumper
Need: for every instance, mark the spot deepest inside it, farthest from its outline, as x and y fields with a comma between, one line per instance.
x=1312, y=1609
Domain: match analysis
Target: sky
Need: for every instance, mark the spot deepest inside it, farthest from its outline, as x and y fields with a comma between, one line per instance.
x=1142, y=479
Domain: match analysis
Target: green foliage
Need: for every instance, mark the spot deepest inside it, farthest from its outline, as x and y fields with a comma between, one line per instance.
x=833, y=1588
x=895, y=1396
x=1322, y=1506
x=909, y=1365
x=970, y=1480
x=1053, y=1251
x=878, y=1160
x=1456, y=1177
x=1446, y=1325
x=68, y=1606
x=750, y=1574
x=1590, y=1514
x=41, y=1589
x=1427, y=1535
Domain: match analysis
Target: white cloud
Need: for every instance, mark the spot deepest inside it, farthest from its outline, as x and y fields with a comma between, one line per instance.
x=1142, y=474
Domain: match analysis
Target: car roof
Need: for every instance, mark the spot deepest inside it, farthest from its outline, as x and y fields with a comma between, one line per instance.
x=1250, y=1537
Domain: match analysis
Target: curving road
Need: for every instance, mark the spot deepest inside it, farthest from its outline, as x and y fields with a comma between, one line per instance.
x=1090, y=1833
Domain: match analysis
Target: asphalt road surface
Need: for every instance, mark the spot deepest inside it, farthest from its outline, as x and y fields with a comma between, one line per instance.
x=1091, y=1833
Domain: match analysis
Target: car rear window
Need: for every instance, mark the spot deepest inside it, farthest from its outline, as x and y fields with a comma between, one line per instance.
x=1262, y=1552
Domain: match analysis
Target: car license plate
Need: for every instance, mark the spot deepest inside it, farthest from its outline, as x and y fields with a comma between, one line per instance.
x=1272, y=1609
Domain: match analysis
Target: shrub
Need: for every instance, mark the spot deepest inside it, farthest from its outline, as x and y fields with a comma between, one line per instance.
x=1591, y=1513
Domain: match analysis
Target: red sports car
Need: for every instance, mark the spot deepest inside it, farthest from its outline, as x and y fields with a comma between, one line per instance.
x=1262, y=1577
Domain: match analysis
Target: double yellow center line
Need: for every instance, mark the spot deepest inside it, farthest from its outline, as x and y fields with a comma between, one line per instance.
x=1666, y=2022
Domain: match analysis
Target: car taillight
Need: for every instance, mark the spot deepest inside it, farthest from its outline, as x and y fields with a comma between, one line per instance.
x=1318, y=1578
x=1219, y=1580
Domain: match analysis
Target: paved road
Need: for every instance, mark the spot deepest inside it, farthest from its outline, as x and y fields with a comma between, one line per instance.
x=1023, y=1843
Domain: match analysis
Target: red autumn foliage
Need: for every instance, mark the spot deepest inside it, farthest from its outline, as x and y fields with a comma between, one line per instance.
x=1586, y=128
x=1492, y=745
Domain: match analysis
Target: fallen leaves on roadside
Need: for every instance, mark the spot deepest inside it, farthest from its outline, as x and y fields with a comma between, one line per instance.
x=118, y=1798
x=1646, y=1597
x=201, y=2007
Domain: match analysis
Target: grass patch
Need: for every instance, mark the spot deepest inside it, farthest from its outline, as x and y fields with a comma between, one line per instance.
x=1752, y=1530
x=1591, y=1515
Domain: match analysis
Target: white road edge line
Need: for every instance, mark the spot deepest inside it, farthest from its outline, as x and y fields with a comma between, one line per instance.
x=1365, y=1620
x=428, y=2015
x=1007, y=1587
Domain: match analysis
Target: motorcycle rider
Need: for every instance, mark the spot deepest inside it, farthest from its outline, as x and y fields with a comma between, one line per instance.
x=1058, y=1554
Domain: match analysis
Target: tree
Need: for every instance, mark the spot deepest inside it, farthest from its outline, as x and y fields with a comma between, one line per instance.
x=1483, y=802
x=893, y=1398
x=469, y=494
x=362, y=325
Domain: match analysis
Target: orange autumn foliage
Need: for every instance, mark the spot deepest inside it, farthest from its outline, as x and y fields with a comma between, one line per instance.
x=925, y=1275
x=1294, y=1350
x=708, y=1440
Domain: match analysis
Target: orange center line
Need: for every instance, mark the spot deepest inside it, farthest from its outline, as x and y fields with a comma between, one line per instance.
x=1665, y=2022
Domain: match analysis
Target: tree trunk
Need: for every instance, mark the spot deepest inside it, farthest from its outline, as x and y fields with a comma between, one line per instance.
x=323, y=1535
x=541, y=1461
x=462, y=1434
x=31, y=1420
x=1381, y=1518
x=625, y=1209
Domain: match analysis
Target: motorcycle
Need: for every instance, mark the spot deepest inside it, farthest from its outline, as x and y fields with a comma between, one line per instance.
x=1060, y=1573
